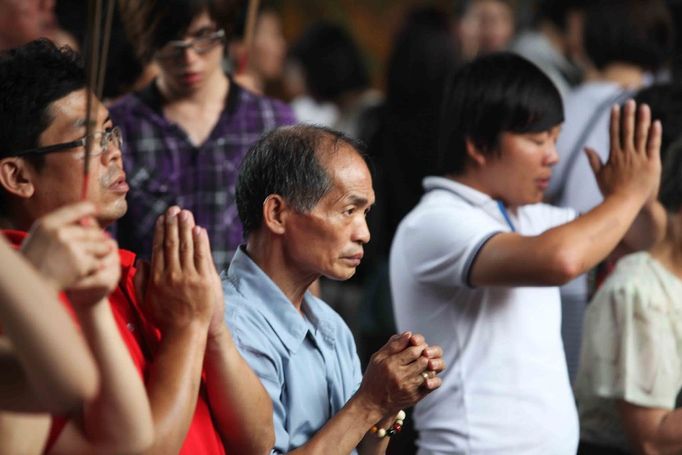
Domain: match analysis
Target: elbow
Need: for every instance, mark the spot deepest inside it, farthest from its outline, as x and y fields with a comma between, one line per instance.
x=564, y=266
x=260, y=441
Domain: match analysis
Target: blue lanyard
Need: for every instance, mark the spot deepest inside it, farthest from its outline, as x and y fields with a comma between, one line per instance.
x=505, y=214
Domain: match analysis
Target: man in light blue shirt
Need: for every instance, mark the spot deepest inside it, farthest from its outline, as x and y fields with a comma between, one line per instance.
x=302, y=194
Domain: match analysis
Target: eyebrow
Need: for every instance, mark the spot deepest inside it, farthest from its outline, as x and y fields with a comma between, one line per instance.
x=81, y=122
x=357, y=200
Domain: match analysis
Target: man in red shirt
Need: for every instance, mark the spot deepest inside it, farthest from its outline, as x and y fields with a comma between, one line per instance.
x=203, y=396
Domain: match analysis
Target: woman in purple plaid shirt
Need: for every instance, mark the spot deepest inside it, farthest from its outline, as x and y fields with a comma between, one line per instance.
x=186, y=133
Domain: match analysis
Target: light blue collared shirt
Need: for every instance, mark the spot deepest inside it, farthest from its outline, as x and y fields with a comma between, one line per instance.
x=308, y=364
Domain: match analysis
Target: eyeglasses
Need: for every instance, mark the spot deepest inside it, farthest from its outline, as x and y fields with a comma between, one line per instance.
x=200, y=45
x=105, y=139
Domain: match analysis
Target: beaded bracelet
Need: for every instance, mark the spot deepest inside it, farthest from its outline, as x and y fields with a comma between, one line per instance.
x=394, y=429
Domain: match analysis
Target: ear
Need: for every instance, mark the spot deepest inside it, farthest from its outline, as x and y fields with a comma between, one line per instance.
x=16, y=177
x=476, y=156
x=275, y=211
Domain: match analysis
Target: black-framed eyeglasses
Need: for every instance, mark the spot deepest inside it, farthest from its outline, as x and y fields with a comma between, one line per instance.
x=105, y=139
x=200, y=45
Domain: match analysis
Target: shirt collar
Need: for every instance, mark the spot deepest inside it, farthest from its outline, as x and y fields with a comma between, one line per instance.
x=259, y=290
x=469, y=194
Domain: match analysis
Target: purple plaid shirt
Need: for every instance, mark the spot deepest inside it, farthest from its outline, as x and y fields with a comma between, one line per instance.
x=164, y=168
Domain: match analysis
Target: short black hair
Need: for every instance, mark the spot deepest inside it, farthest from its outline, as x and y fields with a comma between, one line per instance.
x=331, y=61
x=151, y=24
x=286, y=161
x=31, y=78
x=557, y=11
x=495, y=93
x=664, y=101
x=638, y=32
x=670, y=194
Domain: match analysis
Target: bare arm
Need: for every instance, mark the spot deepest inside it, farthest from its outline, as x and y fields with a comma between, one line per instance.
x=117, y=418
x=652, y=431
x=561, y=254
x=240, y=404
x=45, y=362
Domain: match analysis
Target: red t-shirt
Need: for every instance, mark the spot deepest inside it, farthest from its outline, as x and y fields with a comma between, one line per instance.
x=142, y=339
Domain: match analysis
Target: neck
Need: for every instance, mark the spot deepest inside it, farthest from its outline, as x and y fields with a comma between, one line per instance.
x=479, y=182
x=214, y=89
x=668, y=250
x=623, y=74
x=268, y=252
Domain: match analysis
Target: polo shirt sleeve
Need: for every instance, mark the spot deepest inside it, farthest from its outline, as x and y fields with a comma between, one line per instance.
x=630, y=351
x=265, y=362
x=439, y=247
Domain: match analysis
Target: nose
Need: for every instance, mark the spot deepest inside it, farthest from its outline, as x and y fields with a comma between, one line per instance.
x=552, y=155
x=361, y=231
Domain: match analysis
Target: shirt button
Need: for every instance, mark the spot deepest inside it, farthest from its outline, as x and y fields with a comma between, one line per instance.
x=131, y=326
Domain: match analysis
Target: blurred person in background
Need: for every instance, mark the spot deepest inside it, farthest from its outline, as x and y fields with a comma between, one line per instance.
x=486, y=26
x=630, y=370
x=255, y=68
x=187, y=132
x=626, y=42
x=22, y=21
x=554, y=44
x=334, y=74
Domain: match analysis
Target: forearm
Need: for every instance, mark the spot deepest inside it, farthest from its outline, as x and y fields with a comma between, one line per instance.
x=240, y=404
x=652, y=431
x=648, y=228
x=56, y=363
x=173, y=386
x=572, y=249
x=119, y=418
x=344, y=432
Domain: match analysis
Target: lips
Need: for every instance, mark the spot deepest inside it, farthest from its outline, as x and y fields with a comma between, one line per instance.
x=190, y=78
x=120, y=185
x=354, y=259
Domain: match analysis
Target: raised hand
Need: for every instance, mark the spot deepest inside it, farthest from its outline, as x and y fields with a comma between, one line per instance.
x=180, y=291
x=63, y=249
x=634, y=164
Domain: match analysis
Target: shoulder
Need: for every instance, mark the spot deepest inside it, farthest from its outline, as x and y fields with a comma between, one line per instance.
x=546, y=216
x=269, y=108
x=247, y=322
x=636, y=281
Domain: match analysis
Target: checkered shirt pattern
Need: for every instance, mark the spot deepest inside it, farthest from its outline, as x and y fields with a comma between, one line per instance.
x=164, y=168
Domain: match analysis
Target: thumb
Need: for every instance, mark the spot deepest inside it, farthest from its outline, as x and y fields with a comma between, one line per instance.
x=594, y=160
x=141, y=278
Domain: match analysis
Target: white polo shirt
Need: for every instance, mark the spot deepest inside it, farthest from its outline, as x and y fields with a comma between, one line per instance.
x=506, y=387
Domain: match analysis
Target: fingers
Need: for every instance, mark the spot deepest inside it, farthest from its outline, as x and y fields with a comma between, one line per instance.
x=396, y=344
x=186, y=239
x=69, y=214
x=628, y=131
x=158, y=262
x=141, y=279
x=614, y=130
x=642, y=128
x=594, y=160
x=171, y=239
x=653, y=146
x=202, y=251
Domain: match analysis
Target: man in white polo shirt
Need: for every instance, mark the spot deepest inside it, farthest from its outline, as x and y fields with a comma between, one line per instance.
x=476, y=264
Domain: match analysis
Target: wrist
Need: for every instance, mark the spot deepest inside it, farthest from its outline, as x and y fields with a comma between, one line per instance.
x=366, y=409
